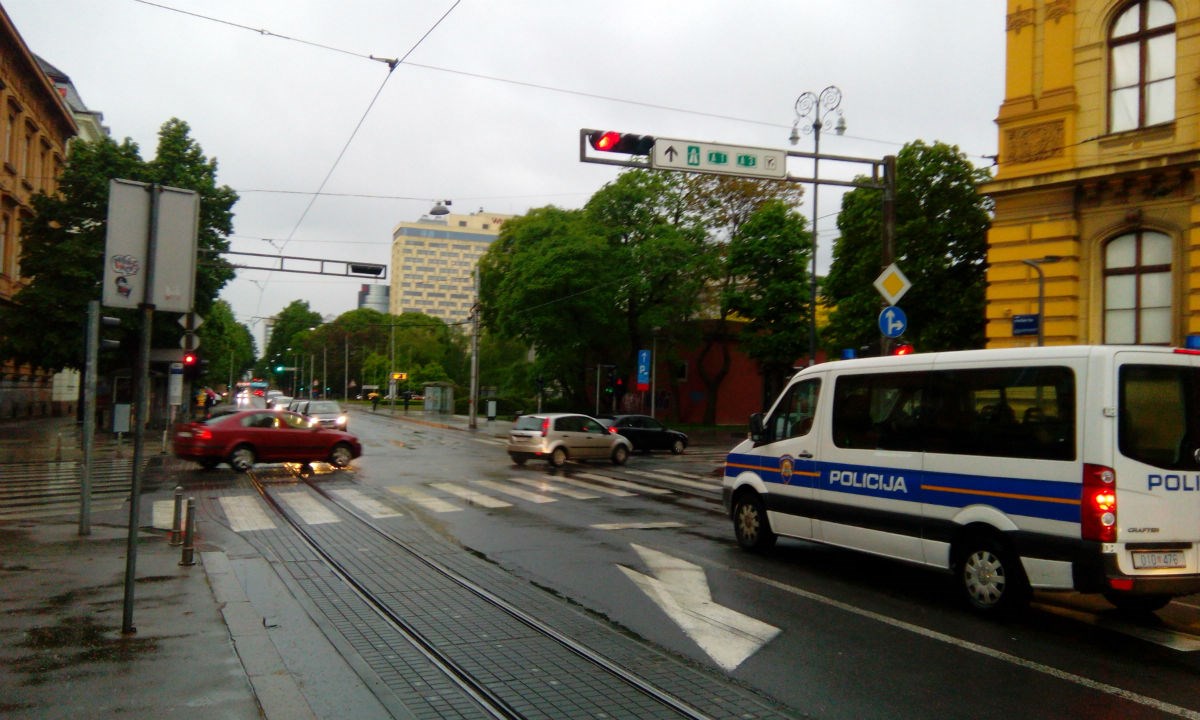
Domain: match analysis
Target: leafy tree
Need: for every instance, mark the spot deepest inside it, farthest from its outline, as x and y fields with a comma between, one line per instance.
x=770, y=253
x=547, y=281
x=226, y=344
x=725, y=204
x=283, y=346
x=62, y=246
x=940, y=244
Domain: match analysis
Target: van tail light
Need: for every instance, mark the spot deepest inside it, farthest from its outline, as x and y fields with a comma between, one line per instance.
x=545, y=427
x=1098, y=506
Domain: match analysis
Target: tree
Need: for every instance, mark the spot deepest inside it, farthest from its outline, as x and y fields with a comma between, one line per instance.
x=62, y=246
x=226, y=344
x=940, y=244
x=725, y=204
x=283, y=346
x=769, y=254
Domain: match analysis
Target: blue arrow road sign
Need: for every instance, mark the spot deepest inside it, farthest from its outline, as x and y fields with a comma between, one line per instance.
x=892, y=322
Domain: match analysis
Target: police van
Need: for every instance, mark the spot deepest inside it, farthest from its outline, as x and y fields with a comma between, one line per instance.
x=1055, y=468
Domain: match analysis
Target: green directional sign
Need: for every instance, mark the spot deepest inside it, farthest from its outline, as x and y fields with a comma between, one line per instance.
x=702, y=157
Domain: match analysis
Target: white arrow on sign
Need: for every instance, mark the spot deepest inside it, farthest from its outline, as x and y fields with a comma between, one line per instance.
x=680, y=588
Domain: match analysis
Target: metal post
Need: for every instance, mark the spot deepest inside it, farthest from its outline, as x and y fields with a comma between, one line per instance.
x=188, y=557
x=141, y=411
x=89, y=416
x=177, y=519
x=818, y=105
x=653, y=372
x=1041, y=299
x=473, y=405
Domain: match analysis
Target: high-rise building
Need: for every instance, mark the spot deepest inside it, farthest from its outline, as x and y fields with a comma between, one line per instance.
x=433, y=263
x=1097, y=220
x=374, y=296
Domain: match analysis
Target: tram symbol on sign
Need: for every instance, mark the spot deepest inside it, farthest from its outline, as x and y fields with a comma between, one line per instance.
x=892, y=322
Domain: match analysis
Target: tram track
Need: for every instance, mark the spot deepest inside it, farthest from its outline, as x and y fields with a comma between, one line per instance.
x=592, y=674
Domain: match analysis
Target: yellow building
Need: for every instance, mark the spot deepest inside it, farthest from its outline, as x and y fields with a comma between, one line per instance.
x=35, y=126
x=1096, y=180
x=433, y=263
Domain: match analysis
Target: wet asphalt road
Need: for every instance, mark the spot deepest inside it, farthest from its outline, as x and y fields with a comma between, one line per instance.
x=830, y=633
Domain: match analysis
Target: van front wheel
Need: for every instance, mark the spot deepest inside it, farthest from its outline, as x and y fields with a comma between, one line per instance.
x=750, y=523
x=991, y=577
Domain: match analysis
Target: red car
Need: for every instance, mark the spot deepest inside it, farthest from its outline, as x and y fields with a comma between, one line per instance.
x=244, y=437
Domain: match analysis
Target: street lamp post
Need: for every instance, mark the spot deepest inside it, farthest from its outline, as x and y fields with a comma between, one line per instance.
x=812, y=109
x=1041, y=300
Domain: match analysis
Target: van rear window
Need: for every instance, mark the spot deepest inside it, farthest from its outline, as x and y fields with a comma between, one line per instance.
x=1158, y=421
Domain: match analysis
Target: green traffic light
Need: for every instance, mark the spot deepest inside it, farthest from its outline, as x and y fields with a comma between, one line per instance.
x=278, y=368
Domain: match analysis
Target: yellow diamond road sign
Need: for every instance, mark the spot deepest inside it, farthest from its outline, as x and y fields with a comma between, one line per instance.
x=892, y=284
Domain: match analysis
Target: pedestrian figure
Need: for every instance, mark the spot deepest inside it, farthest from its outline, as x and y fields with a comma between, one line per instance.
x=374, y=402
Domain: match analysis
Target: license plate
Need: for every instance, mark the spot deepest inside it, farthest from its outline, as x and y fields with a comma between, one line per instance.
x=1148, y=560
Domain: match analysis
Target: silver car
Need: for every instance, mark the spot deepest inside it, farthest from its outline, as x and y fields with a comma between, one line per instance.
x=559, y=437
x=327, y=413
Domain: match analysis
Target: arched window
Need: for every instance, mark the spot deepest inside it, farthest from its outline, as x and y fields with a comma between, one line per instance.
x=1138, y=289
x=1141, y=48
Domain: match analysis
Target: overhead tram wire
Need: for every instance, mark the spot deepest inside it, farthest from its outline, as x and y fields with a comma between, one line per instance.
x=507, y=81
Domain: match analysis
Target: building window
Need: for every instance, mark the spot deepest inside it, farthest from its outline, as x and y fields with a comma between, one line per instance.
x=1141, y=49
x=1138, y=289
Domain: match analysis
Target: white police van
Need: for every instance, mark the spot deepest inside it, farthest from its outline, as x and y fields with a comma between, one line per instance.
x=1053, y=468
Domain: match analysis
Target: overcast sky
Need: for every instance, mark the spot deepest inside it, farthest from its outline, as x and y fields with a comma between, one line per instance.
x=486, y=107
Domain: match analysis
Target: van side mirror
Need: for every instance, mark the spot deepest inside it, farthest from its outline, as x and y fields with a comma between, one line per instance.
x=756, y=427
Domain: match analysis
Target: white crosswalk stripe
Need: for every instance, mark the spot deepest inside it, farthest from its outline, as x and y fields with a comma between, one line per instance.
x=676, y=480
x=424, y=499
x=471, y=496
x=551, y=487
x=245, y=513
x=636, y=487
x=515, y=492
x=372, y=507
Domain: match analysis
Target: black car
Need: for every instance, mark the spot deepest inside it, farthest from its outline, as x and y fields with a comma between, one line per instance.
x=648, y=434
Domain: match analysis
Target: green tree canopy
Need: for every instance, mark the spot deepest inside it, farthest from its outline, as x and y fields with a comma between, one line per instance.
x=770, y=253
x=62, y=246
x=940, y=244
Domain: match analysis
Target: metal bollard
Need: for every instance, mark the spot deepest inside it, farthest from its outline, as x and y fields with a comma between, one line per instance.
x=189, y=535
x=177, y=521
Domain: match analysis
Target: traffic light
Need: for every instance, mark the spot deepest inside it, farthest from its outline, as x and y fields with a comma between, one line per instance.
x=620, y=388
x=191, y=365
x=905, y=349
x=627, y=143
x=609, y=384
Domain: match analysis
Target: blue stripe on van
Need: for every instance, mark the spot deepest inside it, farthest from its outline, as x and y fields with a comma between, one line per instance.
x=1014, y=496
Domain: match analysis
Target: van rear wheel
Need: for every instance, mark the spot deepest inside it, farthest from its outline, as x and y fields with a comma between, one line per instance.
x=750, y=524
x=991, y=577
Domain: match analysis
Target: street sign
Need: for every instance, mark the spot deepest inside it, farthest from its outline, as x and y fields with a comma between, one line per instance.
x=189, y=341
x=892, y=322
x=892, y=284
x=702, y=157
x=1025, y=324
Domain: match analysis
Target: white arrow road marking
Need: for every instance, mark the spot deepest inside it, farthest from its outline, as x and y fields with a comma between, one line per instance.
x=681, y=590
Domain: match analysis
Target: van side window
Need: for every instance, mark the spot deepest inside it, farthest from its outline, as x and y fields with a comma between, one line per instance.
x=1017, y=412
x=1157, y=421
x=793, y=415
x=880, y=411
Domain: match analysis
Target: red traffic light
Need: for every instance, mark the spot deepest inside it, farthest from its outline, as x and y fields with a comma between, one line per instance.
x=627, y=143
x=189, y=359
x=903, y=350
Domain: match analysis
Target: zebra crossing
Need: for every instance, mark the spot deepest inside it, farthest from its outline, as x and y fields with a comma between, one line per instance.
x=247, y=513
x=39, y=490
